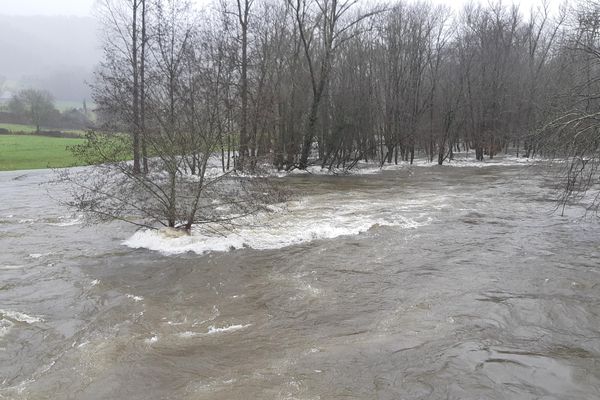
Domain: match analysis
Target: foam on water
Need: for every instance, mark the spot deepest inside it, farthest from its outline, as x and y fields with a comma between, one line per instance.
x=19, y=316
x=39, y=255
x=261, y=239
x=151, y=340
x=68, y=221
x=462, y=162
x=212, y=330
x=303, y=221
x=5, y=326
x=11, y=267
x=134, y=297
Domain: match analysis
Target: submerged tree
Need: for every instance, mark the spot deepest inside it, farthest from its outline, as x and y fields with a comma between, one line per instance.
x=183, y=185
x=323, y=26
x=573, y=130
x=297, y=83
x=169, y=195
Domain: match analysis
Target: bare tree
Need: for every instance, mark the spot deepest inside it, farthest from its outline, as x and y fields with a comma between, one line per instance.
x=184, y=105
x=572, y=131
x=117, y=91
x=36, y=105
x=243, y=16
x=323, y=25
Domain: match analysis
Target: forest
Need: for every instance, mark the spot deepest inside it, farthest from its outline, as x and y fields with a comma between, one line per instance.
x=332, y=83
x=348, y=79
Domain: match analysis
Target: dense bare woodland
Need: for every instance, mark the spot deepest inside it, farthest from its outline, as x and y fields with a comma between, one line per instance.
x=337, y=82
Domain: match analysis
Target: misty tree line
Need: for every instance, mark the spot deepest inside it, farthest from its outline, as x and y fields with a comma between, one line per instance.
x=36, y=107
x=338, y=81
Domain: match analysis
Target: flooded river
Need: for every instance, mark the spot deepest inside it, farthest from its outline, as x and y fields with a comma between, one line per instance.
x=420, y=283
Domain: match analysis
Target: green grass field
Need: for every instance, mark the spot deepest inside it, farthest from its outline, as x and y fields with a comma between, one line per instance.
x=20, y=128
x=34, y=152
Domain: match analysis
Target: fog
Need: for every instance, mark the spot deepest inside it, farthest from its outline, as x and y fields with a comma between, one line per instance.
x=45, y=7
x=56, y=53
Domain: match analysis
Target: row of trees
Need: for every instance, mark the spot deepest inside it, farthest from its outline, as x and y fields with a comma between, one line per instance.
x=36, y=107
x=330, y=81
x=334, y=82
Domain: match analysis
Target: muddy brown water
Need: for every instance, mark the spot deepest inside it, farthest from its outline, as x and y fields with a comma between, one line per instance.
x=479, y=292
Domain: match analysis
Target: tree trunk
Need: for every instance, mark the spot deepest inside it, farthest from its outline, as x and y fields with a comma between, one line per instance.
x=143, y=91
x=243, y=19
x=136, y=111
x=308, y=134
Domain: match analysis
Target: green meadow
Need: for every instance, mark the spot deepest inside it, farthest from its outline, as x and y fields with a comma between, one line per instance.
x=34, y=152
x=20, y=128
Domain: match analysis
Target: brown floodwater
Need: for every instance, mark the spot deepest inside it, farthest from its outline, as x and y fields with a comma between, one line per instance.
x=420, y=283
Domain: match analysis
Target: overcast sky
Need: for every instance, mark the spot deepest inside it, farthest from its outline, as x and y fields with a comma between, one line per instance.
x=46, y=7
x=84, y=7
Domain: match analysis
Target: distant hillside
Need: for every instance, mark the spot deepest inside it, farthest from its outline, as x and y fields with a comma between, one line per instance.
x=57, y=53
